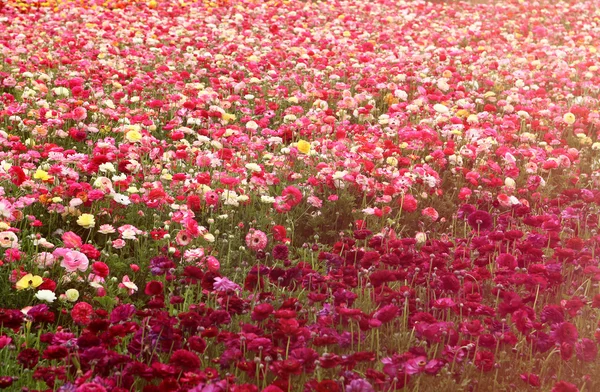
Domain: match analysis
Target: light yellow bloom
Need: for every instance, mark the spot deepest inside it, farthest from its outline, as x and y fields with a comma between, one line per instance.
x=569, y=118
x=72, y=295
x=303, y=146
x=86, y=220
x=133, y=136
x=28, y=281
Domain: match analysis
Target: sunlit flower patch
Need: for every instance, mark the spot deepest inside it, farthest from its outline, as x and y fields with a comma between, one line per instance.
x=299, y=196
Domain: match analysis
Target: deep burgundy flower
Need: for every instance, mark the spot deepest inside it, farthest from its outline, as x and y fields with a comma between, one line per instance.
x=28, y=358
x=153, y=287
x=552, y=314
x=40, y=314
x=280, y=252
x=6, y=381
x=11, y=318
x=480, y=220
x=121, y=313
x=185, y=360
x=55, y=352
x=197, y=344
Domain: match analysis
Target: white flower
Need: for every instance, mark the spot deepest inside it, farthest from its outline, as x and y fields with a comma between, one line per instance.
x=253, y=167
x=121, y=199
x=438, y=107
x=252, y=125
x=46, y=295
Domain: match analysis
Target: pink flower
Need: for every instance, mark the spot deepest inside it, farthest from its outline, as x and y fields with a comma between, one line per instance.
x=431, y=213
x=256, y=240
x=4, y=341
x=72, y=260
x=72, y=240
x=213, y=264
x=118, y=244
x=127, y=284
x=79, y=113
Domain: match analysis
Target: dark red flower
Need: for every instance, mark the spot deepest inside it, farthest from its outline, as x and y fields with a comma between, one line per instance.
x=262, y=312
x=480, y=220
x=153, y=287
x=197, y=344
x=6, y=381
x=185, y=360
x=280, y=252
x=28, y=358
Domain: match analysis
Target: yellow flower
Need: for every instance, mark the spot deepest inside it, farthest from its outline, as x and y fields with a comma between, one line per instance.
x=133, y=136
x=303, y=146
x=28, y=281
x=569, y=118
x=86, y=220
x=41, y=175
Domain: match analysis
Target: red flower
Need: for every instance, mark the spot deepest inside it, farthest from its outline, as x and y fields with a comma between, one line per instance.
x=480, y=220
x=484, y=360
x=82, y=313
x=565, y=332
x=261, y=312
x=17, y=175
x=185, y=360
x=531, y=379
x=292, y=195
x=386, y=313
x=194, y=203
x=101, y=269
x=197, y=344
x=279, y=233
x=563, y=386
x=327, y=386
x=153, y=287
x=28, y=358
x=408, y=203
x=5, y=381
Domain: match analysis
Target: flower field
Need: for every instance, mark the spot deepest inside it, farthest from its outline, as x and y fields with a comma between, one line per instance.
x=278, y=196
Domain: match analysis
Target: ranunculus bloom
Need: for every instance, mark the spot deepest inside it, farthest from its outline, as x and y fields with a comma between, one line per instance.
x=72, y=260
x=480, y=220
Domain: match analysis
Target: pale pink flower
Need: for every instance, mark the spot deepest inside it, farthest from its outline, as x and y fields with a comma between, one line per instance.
x=44, y=260
x=72, y=260
x=118, y=244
